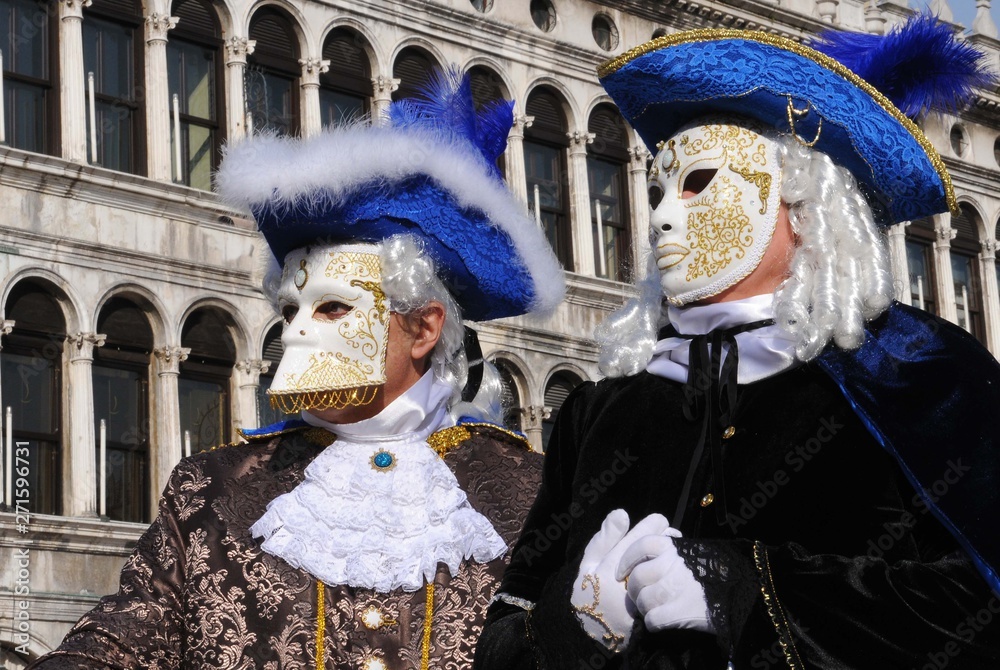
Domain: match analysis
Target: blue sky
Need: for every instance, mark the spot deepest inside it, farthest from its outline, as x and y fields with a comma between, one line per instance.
x=964, y=10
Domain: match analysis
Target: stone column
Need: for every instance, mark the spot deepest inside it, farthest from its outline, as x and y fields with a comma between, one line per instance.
x=166, y=449
x=312, y=68
x=944, y=284
x=158, y=101
x=237, y=50
x=5, y=327
x=533, y=415
x=638, y=205
x=383, y=88
x=581, y=208
x=72, y=81
x=247, y=381
x=897, y=259
x=874, y=19
x=79, y=476
x=827, y=10
x=517, y=180
x=991, y=301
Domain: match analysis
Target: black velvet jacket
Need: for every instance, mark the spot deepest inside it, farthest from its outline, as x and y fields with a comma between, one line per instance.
x=826, y=558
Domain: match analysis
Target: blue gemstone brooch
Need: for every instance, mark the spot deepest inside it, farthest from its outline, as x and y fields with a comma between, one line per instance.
x=383, y=460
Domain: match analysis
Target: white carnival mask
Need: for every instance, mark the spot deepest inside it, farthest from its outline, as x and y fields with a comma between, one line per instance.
x=336, y=328
x=710, y=241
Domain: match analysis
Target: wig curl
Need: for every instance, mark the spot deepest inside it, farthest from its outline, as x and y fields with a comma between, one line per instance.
x=839, y=275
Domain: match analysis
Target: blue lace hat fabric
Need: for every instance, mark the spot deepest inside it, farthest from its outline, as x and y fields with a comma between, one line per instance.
x=430, y=172
x=664, y=83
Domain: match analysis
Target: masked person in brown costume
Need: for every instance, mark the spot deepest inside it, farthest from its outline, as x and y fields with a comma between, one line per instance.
x=813, y=475
x=371, y=532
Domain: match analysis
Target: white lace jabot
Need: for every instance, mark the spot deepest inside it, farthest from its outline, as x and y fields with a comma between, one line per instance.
x=355, y=523
x=764, y=352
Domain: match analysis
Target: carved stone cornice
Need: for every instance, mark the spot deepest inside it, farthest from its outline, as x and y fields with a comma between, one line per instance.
x=312, y=68
x=989, y=249
x=384, y=87
x=534, y=415
x=83, y=345
x=170, y=359
x=237, y=50
x=578, y=141
x=72, y=9
x=158, y=25
x=5, y=327
x=638, y=156
x=253, y=369
x=521, y=121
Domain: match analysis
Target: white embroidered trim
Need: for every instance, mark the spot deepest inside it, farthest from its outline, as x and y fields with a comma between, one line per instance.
x=526, y=605
x=349, y=523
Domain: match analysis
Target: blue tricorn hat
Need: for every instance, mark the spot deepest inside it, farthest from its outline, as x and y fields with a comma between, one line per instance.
x=431, y=172
x=848, y=97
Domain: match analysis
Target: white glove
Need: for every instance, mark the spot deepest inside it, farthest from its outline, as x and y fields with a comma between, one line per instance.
x=599, y=599
x=663, y=588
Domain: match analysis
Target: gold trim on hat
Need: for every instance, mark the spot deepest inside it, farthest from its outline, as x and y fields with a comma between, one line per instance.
x=719, y=34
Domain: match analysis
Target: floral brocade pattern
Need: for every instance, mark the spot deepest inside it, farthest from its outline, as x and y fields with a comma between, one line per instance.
x=199, y=592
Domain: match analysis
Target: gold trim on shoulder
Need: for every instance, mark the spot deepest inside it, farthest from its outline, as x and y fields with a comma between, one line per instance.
x=520, y=439
x=719, y=34
x=446, y=439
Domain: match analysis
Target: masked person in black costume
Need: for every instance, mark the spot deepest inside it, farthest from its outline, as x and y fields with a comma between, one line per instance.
x=784, y=467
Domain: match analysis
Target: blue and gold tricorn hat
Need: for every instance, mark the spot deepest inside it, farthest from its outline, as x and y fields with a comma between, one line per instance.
x=429, y=171
x=852, y=96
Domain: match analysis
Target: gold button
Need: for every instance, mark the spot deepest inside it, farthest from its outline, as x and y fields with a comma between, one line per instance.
x=728, y=432
x=707, y=500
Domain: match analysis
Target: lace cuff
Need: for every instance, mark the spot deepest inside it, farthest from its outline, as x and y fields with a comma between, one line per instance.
x=726, y=571
x=526, y=605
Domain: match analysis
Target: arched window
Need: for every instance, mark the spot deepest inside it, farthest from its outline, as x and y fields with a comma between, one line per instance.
x=345, y=90
x=487, y=87
x=273, y=350
x=607, y=172
x=272, y=74
x=545, y=145
x=28, y=95
x=203, y=385
x=194, y=71
x=920, y=264
x=113, y=52
x=32, y=388
x=509, y=396
x=559, y=386
x=121, y=399
x=965, y=271
x=413, y=67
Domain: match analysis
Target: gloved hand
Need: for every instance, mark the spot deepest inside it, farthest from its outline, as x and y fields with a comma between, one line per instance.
x=599, y=598
x=661, y=586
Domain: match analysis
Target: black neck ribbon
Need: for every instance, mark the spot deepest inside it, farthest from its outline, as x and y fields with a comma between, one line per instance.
x=711, y=393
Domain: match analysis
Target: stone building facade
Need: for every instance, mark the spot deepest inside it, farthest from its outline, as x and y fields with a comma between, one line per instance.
x=128, y=293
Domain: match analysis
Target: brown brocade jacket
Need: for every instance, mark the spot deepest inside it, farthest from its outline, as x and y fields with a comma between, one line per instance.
x=198, y=592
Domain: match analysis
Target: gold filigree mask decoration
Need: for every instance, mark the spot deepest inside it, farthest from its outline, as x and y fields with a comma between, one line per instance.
x=715, y=204
x=336, y=328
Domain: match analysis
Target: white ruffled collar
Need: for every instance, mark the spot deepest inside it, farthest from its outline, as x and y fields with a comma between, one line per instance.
x=355, y=523
x=764, y=352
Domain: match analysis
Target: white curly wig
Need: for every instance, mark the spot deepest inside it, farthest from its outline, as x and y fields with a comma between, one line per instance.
x=410, y=282
x=839, y=275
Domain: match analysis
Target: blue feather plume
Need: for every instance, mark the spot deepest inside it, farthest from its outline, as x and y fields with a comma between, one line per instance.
x=446, y=106
x=920, y=65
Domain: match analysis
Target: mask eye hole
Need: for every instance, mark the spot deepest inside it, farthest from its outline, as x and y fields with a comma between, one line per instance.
x=655, y=195
x=288, y=312
x=331, y=311
x=696, y=182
